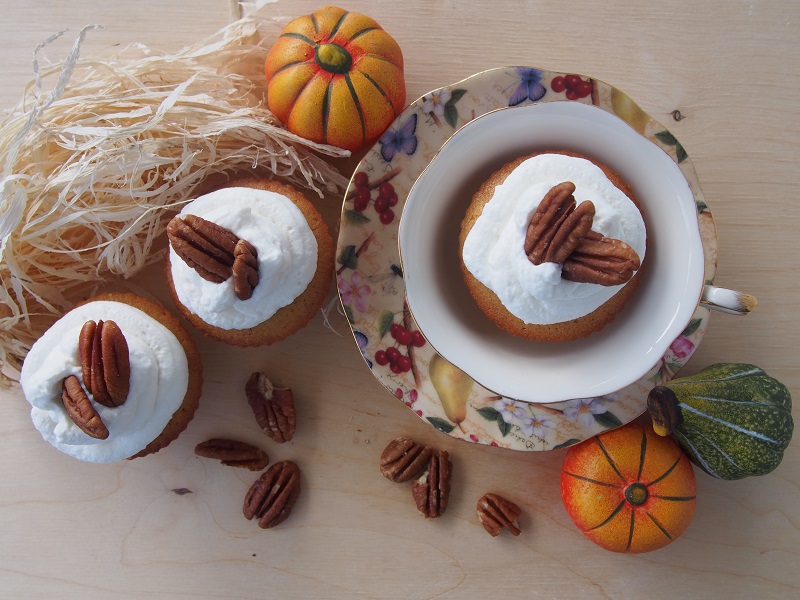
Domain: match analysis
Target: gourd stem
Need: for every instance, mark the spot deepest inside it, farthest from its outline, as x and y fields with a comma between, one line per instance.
x=664, y=409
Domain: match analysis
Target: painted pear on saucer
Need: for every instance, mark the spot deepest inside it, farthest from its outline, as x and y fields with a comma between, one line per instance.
x=453, y=387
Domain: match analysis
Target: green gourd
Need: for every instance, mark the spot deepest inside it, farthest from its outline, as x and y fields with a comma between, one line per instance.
x=732, y=419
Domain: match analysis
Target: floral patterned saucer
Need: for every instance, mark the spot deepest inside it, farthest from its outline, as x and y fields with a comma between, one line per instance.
x=370, y=279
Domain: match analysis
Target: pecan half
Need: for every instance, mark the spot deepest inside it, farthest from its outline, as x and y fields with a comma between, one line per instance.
x=495, y=513
x=105, y=362
x=431, y=492
x=80, y=409
x=557, y=225
x=233, y=453
x=204, y=246
x=245, y=269
x=273, y=495
x=403, y=459
x=273, y=407
x=601, y=260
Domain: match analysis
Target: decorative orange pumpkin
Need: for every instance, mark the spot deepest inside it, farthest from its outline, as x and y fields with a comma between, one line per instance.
x=628, y=489
x=335, y=77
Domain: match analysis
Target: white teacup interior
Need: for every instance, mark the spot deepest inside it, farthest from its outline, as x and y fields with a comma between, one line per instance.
x=603, y=363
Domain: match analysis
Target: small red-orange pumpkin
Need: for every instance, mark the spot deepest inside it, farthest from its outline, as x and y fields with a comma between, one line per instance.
x=335, y=77
x=628, y=489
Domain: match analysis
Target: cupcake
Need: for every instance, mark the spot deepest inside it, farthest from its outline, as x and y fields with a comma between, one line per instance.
x=116, y=377
x=551, y=246
x=251, y=263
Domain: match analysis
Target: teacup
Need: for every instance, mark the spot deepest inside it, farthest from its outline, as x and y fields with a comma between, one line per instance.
x=673, y=284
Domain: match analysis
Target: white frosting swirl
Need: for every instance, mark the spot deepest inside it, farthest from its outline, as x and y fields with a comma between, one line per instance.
x=158, y=383
x=287, y=257
x=494, y=248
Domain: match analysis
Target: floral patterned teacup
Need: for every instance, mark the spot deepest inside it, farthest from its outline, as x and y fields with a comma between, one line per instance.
x=622, y=353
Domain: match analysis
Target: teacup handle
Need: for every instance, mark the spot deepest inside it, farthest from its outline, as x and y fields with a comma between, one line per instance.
x=727, y=301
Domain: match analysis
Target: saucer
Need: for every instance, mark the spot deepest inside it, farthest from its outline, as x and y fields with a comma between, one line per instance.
x=372, y=290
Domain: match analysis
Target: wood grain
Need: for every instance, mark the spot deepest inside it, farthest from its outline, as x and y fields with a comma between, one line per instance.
x=79, y=530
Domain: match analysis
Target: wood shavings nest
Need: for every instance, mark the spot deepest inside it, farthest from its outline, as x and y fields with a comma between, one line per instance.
x=93, y=170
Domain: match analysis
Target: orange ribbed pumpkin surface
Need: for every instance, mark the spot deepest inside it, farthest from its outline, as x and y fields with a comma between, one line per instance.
x=335, y=77
x=628, y=489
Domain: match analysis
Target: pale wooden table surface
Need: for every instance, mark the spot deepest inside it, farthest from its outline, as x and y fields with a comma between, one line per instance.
x=732, y=68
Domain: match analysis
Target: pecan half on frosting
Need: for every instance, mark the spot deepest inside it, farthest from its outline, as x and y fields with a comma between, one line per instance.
x=561, y=232
x=558, y=225
x=203, y=245
x=80, y=409
x=599, y=259
x=105, y=362
x=245, y=269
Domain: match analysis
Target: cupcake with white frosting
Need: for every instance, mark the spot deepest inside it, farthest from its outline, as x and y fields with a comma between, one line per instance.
x=116, y=377
x=552, y=245
x=251, y=263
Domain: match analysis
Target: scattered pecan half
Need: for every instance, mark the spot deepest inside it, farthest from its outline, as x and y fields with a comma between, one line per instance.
x=233, y=453
x=203, y=245
x=273, y=407
x=558, y=225
x=80, y=409
x=105, y=362
x=245, y=269
x=599, y=259
x=404, y=459
x=495, y=513
x=431, y=492
x=273, y=495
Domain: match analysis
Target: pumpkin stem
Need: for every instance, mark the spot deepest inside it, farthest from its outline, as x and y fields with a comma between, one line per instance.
x=636, y=494
x=333, y=58
x=662, y=404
